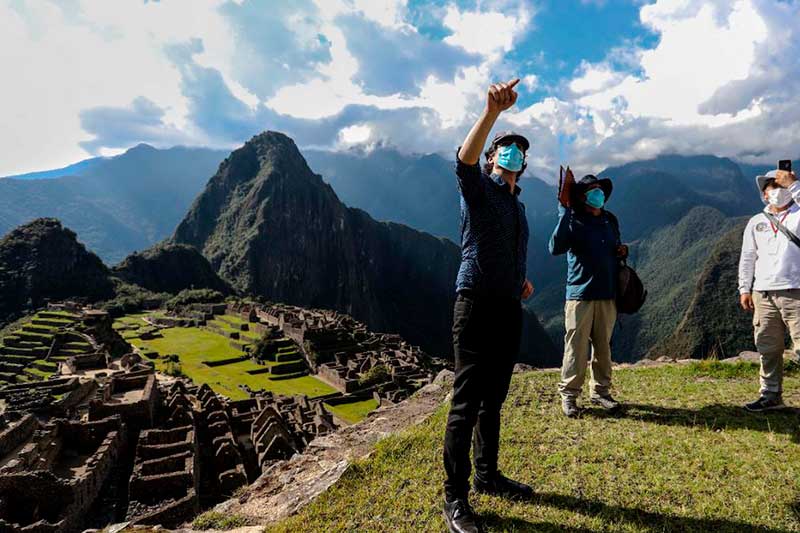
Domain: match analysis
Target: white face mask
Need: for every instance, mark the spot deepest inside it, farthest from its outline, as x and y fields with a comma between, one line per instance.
x=779, y=197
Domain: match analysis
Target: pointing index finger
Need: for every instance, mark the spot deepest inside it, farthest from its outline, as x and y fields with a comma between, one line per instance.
x=511, y=84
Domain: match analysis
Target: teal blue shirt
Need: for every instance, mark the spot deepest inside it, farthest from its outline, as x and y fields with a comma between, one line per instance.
x=590, y=243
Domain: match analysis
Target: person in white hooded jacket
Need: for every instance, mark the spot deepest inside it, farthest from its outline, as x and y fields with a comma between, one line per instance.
x=769, y=281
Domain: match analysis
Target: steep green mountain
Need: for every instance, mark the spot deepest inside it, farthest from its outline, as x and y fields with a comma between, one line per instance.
x=117, y=205
x=272, y=227
x=670, y=185
x=43, y=260
x=670, y=260
x=713, y=324
x=170, y=268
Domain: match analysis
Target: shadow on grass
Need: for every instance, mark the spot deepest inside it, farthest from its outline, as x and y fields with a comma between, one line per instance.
x=715, y=416
x=646, y=520
x=495, y=522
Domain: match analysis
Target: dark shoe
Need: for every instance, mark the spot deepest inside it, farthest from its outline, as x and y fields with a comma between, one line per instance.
x=765, y=404
x=570, y=407
x=459, y=517
x=500, y=485
x=606, y=402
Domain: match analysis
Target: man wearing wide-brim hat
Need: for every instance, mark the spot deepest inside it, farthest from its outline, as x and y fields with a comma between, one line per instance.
x=769, y=280
x=589, y=235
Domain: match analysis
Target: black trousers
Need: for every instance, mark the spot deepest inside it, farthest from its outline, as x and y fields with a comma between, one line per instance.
x=486, y=336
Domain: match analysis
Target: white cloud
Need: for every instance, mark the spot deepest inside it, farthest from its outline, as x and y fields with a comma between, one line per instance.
x=488, y=33
x=594, y=78
x=697, y=54
x=530, y=81
x=717, y=81
x=355, y=134
x=385, y=12
x=59, y=68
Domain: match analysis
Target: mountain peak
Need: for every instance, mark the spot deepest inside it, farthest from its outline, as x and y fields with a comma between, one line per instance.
x=141, y=148
x=43, y=259
x=274, y=149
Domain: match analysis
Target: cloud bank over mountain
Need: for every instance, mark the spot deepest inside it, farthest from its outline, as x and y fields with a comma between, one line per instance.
x=603, y=82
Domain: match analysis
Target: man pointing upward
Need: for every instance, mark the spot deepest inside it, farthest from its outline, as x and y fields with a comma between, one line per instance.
x=487, y=318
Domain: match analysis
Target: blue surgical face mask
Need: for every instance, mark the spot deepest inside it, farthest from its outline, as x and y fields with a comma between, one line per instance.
x=596, y=198
x=510, y=157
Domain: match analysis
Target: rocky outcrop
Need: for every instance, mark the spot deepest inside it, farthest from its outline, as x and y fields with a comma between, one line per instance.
x=171, y=268
x=43, y=260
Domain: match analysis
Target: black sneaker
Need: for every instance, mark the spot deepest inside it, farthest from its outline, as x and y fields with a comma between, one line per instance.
x=459, y=517
x=765, y=404
x=502, y=486
x=606, y=402
x=569, y=406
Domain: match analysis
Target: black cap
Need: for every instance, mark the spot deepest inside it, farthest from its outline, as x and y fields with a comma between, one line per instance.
x=513, y=137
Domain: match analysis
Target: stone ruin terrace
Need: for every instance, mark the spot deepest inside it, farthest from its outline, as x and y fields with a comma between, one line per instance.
x=103, y=438
x=343, y=352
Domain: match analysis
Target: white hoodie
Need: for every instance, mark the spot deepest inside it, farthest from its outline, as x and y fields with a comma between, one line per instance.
x=769, y=260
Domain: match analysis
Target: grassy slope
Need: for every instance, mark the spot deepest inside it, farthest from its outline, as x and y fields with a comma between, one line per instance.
x=353, y=411
x=685, y=457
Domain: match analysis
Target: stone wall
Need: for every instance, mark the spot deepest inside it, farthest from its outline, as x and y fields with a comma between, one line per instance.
x=17, y=432
x=65, y=469
x=133, y=397
x=164, y=485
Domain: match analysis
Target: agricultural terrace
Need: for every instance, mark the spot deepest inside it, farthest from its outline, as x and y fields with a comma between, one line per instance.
x=30, y=351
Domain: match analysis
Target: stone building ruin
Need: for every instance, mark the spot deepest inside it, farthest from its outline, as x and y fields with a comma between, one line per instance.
x=91, y=434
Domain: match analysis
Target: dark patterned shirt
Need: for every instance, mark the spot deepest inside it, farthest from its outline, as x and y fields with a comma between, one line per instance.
x=494, y=234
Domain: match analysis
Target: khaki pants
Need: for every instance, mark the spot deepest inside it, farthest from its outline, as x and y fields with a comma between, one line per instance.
x=775, y=312
x=589, y=325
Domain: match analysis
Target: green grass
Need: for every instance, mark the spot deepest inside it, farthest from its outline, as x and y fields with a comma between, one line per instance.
x=683, y=457
x=235, y=319
x=41, y=373
x=194, y=345
x=217, y=520
x=247, y=337
x=65, y=315
x=354, y=411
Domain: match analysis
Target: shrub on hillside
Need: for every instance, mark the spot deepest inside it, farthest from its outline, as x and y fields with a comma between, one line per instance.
x=194, y=296
x=264, y=348
x=376, y=374
x=132, y=298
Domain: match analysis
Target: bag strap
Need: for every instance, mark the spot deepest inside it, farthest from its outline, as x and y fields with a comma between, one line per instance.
x=783, y=229
x=614, y=221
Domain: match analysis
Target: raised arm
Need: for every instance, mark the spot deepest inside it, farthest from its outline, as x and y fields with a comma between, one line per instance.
x=561, y=240
x=499, y=97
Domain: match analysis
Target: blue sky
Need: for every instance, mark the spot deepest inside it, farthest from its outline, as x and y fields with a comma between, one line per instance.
x=604, y=81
